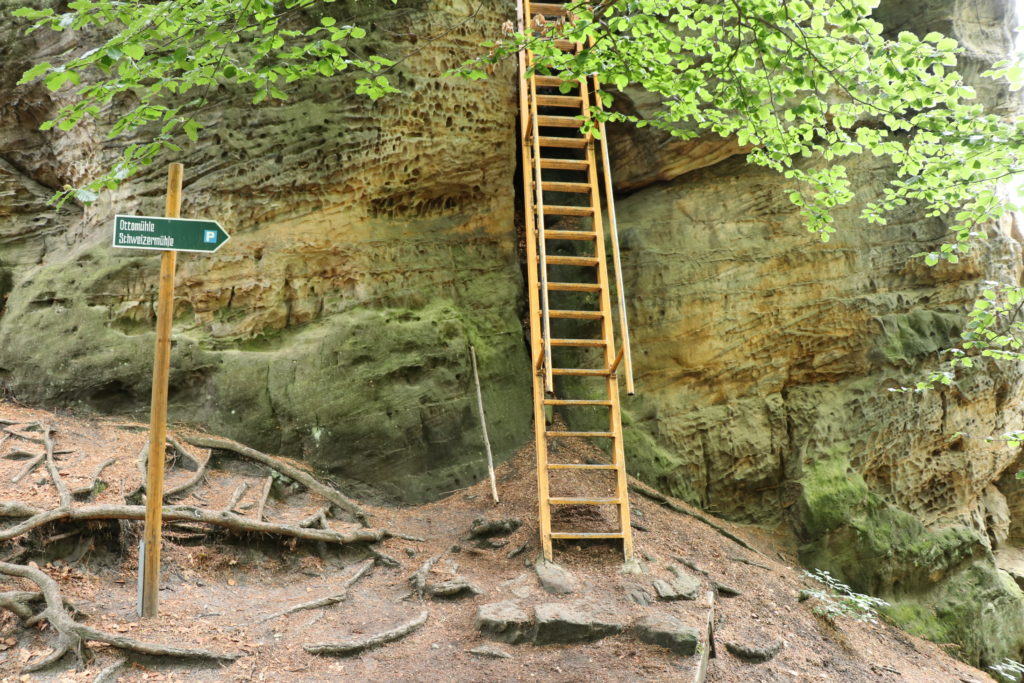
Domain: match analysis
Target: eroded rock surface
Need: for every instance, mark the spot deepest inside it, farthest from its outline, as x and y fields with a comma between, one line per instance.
x=372, y=243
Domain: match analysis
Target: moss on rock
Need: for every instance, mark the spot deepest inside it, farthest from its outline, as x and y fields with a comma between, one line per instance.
x=943, y=584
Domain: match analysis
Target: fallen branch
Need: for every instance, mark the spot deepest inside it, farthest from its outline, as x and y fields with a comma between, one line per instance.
x=290, y=471
x=353, y=645
x=176, y=513
x=361, y=570
x=19, y=454
x=665, y=502
x=73, y=635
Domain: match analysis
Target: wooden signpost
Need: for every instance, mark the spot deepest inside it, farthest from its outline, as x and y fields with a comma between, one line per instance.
x=170, y=234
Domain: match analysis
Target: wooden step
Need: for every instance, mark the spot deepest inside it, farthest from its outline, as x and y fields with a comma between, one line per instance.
x=576, y=402
x=559, y=121
x=578, y=466
x=562, y=535
x=583, y=501
x=580, y=372
x=584, y=261
x=548, y=9
x=558, y=210
x=565, y=164
x=595, y=435
x=552, y=186
x=574, y=315
x=573, y=287
x=559, y=101
x=565, y=45
x=569, y=234
x=565, y=143
x=552, y=81
x=581, y=343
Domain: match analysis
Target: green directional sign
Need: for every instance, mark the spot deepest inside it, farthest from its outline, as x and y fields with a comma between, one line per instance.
x=168, y=234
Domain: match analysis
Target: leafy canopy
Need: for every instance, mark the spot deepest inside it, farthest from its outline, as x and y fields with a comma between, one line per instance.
x=791, y=79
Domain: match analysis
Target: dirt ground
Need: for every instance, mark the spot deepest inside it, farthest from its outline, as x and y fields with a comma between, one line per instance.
x=220, y=591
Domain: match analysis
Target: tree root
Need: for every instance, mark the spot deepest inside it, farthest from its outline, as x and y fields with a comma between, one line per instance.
x=355, y=645
x=176, y=513
x=290, y=471
x=419, y=578
x=73, y=635
x=236, y=497
x=27, y=469
x=665, y=502
x=87, y=492
x=109, y=674
x=264, y=496
x=361, y=571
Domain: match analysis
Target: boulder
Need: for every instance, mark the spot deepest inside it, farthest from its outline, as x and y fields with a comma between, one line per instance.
x=572, y=623
x=504, y=621
x=554, y=578
x=668, y=632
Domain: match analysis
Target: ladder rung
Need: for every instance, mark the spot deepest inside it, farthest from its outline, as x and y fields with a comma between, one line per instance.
x=551, y=186
x=559, y=121
x=586, y=343
x=579, y=466
x=548, y=9
x=581, y=372
x=572, y=261
x=573, y=287
x=569, y=234
x=557, y=210
x=575, y=315
x=596, y=435
x=561, y=535
x=576, y=402
x=568, y=143
x=552, y=81
x=565, y=45
x=565, y=164
x=559, y=101
x=583, y=501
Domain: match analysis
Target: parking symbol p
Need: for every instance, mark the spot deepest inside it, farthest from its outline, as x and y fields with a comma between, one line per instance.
x=210, y=236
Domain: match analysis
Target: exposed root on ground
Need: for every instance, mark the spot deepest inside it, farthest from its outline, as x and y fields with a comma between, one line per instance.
x=73, y=636
x=343, y=648
x=663, y=500
x=176, y=513
x=361, y=570
x=290, y=471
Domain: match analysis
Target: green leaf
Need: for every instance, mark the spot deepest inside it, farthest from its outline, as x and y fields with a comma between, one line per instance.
x=191, y=128
x=136, y=52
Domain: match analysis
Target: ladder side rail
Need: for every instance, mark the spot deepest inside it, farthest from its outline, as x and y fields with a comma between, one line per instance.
x=549, y=382
x=611, y=381
x=536, y=344
x=613, y=235
x=532, y=263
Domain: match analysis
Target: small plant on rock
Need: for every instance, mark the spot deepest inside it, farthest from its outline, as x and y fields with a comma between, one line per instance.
x=839, y=600
x=1009, y=670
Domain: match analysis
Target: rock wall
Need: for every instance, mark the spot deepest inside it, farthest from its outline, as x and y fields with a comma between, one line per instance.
x=372, y=244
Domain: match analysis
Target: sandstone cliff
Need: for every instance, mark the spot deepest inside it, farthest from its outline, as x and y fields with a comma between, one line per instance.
x=373, y=242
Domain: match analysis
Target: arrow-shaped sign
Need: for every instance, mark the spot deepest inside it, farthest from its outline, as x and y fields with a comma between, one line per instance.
x=168, y=234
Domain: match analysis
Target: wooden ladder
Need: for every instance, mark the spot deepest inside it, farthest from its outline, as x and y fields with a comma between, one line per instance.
x=561, y=182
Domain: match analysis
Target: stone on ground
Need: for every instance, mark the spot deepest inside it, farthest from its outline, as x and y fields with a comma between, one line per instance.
x=756, y=651
x=555, y=579
x=504, y=621
x=490, y=651
x=571, y=623
x=668, y=632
